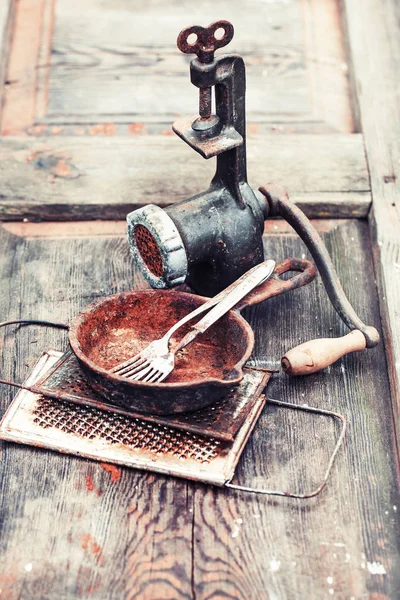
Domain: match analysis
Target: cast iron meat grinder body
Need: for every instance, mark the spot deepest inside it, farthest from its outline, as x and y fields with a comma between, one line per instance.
x=212, y=238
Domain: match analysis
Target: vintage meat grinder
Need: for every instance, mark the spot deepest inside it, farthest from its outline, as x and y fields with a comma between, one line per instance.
x=207, y=241
x=210, y=239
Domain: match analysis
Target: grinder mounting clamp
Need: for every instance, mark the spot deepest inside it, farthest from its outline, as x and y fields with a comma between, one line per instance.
x=212, y=238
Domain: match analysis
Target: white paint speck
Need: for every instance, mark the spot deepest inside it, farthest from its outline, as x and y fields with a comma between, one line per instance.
x=329, y=580
x=303, y=256
x=347, y=558
x=274, y=565
x=331, y=591
x=236, y=527
x=363, y=565
x=339, y=544
x=375, y=568
x=28, y=567
x=395, y=508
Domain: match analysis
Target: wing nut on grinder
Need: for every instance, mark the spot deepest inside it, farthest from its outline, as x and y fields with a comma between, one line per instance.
x=213, y=237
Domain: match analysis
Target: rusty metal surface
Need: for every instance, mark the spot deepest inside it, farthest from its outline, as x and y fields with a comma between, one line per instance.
x=221, y=420
x=149, y=250
x=221, y=228
x=117, y=327
x=92, y=423
x=205, y=39
x=116, y=438
x=218, y=252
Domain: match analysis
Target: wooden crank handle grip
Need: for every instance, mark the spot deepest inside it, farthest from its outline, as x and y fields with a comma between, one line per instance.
x=314, y=355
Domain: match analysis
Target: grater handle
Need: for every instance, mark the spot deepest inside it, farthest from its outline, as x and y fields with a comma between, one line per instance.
x=318, y=490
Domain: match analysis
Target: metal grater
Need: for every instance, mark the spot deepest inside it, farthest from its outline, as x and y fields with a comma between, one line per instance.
x=221, y=420
x=95, y=430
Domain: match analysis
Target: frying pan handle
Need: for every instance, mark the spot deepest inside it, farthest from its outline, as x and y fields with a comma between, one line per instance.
x=275, y=286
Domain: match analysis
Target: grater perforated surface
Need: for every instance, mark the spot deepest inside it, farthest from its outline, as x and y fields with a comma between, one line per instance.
x=106, y=436
x=91, y=423
x=221, y=420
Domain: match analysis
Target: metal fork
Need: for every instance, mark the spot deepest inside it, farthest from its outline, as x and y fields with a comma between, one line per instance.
x=156, y=361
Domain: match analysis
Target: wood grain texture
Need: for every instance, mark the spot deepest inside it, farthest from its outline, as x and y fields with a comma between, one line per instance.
x=78, y=71
x=69, y=529
x=376, y=66
x=7, y=14
x=19, y=108
x=327, y=61
x=252, y=547
x=81, y=522
x=279, y=50
x=105, y=178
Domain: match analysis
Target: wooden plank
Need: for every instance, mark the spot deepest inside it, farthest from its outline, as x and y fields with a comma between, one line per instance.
x=7, y=14
x=71, y=529
x=376, y=67
x=83, y=520
x=80, y=72
x=254, y=547
x=20, y=96
x=145, y=59
x=105, y=178
x=327, y=62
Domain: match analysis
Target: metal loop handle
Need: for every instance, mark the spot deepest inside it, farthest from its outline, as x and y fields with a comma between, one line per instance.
x=305, y=273
x=322, y=485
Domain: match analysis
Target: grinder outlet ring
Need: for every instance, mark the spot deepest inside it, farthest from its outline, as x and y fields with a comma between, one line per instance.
x=157, y=247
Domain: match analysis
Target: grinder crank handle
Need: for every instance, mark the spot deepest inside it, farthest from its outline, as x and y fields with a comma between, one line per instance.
x=279, y=205
x=315, y=355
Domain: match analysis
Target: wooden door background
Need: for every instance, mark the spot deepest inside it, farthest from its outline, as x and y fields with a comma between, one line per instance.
x=88, y=93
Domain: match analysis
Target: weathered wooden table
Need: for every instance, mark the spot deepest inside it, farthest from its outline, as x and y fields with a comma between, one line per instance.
x=89, y=91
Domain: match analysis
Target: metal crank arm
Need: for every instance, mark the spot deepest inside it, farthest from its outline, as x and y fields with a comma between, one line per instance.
x=279, y=205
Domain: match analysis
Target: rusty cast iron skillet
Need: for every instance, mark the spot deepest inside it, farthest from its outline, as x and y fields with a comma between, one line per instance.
x=117, y=327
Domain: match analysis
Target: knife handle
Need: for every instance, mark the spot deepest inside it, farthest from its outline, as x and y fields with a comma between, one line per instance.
x=314, y=355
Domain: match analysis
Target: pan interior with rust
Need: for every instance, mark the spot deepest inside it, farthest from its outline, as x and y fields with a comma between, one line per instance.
x=118, y=327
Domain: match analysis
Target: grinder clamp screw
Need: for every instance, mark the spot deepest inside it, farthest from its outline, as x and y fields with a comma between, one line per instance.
x=204, y=46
